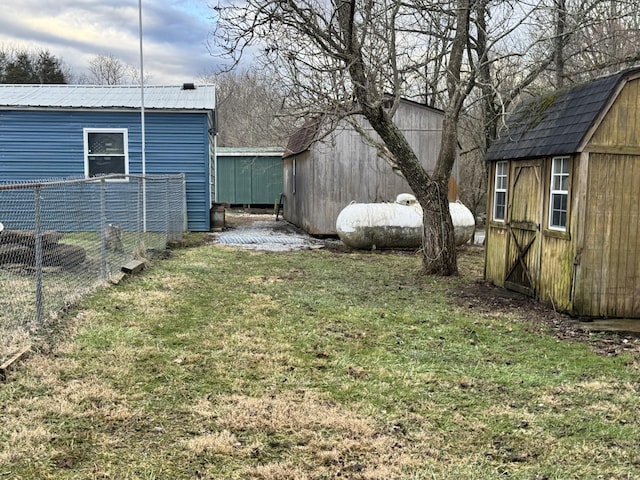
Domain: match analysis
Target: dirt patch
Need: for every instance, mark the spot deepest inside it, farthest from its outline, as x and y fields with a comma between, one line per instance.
x=610, y=338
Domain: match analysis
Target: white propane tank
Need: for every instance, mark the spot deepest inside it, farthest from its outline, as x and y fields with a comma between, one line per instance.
x=395, y=225
x=464, y=224
x=380, y=225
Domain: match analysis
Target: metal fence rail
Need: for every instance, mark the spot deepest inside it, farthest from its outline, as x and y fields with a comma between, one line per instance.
x=60, y=240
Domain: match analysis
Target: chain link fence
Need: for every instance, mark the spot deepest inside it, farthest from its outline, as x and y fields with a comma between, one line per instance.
x=60, y=240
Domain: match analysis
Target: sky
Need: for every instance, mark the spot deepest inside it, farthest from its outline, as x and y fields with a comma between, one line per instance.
x=175, y=34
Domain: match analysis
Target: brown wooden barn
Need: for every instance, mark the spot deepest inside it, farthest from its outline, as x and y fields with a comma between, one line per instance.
x=323, y=174
x=564, y=199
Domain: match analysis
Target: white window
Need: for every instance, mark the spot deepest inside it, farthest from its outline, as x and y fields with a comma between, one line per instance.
x=559, y=195
x=500, y=192
x=106, y=151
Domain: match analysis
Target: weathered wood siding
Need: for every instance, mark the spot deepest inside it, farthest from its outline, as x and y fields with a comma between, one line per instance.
x=544, y=270
x=298, y=190
x=495, y=238
x=607, y=275
x=592, y=268
x=556, y=265
x=343, y=168
x=608, y=272
x=557, y=249
x=495, y=248
x=618, y=131
x=524, y=216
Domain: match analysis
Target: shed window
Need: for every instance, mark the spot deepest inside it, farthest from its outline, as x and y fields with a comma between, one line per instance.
x=559, y=196
x=500, y=195
x=106, y=152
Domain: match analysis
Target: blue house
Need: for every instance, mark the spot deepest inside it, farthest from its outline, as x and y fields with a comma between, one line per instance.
x=60, y=131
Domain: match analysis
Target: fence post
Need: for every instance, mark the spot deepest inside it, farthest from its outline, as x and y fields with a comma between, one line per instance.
x=167, y=212
x=103, y=231
x=38, y=253
x=183, y=193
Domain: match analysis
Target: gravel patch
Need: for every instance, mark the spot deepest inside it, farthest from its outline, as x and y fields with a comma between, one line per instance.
x=264, y=232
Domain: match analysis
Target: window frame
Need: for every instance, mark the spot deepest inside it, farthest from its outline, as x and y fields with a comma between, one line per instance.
x=499, y=175
x=125, y=145
x=553, y=192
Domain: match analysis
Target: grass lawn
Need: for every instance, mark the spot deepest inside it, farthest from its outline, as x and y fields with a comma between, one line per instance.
x=221, y=363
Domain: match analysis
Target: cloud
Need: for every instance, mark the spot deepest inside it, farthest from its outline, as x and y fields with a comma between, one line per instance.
x=174, y=33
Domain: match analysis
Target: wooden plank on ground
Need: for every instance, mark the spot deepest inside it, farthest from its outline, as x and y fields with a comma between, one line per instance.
x=6, y=366
x=133, y=266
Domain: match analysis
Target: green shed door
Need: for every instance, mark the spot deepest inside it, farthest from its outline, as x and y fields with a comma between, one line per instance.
x=251, y=180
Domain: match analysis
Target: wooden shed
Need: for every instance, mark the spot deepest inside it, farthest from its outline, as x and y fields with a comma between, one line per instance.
x=60, y=131
x=248, y=176
x=323, y=174
x=564, y=199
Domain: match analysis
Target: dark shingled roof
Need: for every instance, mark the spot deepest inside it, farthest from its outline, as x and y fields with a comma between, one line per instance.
x=555, y=124
x=303, y=137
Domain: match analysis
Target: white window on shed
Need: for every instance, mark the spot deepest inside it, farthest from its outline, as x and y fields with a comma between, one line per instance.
x=500, y=192
x=559, y=195
x=106, y=151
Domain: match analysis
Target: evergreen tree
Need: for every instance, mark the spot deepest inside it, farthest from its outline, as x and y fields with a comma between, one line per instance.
x=28, y=67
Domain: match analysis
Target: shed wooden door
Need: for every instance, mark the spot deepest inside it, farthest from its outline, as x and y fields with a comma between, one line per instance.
x=523, y=225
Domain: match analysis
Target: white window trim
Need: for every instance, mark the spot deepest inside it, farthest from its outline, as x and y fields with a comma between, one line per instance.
x=125, y=135
x=500, y=190
x=553, y=192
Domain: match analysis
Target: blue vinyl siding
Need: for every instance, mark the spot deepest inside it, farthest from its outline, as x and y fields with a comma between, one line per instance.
x=39, y=145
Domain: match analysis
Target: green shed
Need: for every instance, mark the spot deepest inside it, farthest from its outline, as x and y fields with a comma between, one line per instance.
x=249, y=176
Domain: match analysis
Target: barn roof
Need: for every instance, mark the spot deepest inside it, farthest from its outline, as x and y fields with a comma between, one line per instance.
x=303, y=137
x=557, y=124
x=161, y=97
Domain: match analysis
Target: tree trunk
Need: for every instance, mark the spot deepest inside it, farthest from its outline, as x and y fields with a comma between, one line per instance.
x=431, y=191
x=438, y=241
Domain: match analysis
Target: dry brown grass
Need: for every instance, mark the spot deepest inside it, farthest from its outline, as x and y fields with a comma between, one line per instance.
x=335, y=440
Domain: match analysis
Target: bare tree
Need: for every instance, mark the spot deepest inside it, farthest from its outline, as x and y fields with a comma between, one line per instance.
x=343, y=60
x=250, y=110
x=107, y=69
x=339, y=59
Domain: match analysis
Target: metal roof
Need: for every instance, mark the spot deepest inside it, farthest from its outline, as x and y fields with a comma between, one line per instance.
x=250, y=151
x=557, y=124
x=160, y=97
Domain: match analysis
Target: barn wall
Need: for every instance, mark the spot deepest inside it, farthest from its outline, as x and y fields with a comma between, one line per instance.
x=556, y=270
x=343, y=168
x=36, y=145
x=608, y=270
x=299, y=189
x=557, y=249
x=550, y=258
x=495, y=238
x=607, y=276
x=619, y=130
